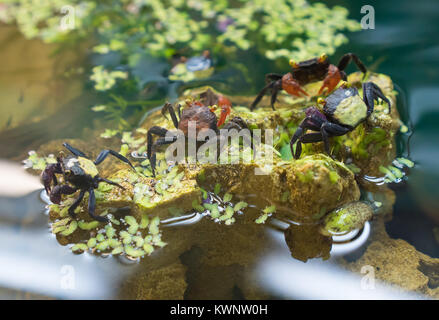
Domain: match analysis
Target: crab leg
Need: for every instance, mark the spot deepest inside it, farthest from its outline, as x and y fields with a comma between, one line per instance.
x=307, y=138
x=76, y=204
x=150, y=150
x=104, y=153
x=168, y=107
x=99, y=179
x=344, y=61
x=372, y=92
x=92, y=206
x=75, y=151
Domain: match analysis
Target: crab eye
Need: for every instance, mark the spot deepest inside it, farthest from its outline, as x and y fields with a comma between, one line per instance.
x=344, y=84
x=321, y=101
x=293, y=63
x=323, y=57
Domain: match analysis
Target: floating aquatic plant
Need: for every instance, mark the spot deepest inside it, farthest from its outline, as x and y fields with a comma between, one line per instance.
x=219, y=208
x=143, y=34
x=36, y=162
x=278, y=28
x=105, y=79
x=394, y=172
x=130, y=237
x=267, y=212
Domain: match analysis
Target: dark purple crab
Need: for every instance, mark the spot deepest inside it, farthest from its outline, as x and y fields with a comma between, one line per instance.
x=343, y=111
x=305, y=72
x=79, y=173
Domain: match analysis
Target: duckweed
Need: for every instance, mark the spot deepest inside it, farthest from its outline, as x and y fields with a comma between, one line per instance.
x=58, y=229
x=132, y=252
x=110, y=231
x=88, y=225
x=70, y=229
x=138, y=241
x=117, y=250
x=217, y=189
x=102, y=246
x=213, y=208
x=262, y=218
x=148, y=248
x=227, y=197
x=79, y=247
x=269, y=209
x=389, y=176
x=60, y=223
x=157, y=240
x=91, y=243
x=197, y=206
x=133, y=225
x=406, y=162
x=114, y=243
x=153, y=227
x=144, y=221
x=228, y=214
x=240, y=205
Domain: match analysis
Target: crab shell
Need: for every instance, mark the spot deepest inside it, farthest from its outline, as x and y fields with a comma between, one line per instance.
x=311, y=70
x=346, y=107
x=202, y=116
x=80, y=166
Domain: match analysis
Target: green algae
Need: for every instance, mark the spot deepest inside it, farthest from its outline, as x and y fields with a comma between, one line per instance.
x=347, y=218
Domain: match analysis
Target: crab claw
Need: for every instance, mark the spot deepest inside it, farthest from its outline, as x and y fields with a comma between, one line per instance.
x=48, y=176
x=58, y=191
x=225, y=106
x=290, y=85
x=331, y=80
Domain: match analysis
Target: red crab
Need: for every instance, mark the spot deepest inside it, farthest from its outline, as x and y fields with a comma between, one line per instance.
x=305, y=72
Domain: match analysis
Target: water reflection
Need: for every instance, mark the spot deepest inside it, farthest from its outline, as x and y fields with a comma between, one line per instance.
x=32, y=260
x=293, y=279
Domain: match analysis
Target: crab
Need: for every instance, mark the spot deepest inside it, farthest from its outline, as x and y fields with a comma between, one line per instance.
x=305, y=72
x=79, y=173
x=195, y=111
x=343, y=111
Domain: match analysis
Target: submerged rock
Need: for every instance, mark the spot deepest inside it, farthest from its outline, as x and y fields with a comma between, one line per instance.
x=306, y=242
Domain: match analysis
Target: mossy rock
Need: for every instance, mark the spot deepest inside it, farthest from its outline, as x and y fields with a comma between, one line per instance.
x=304, y=189
x=347, y=218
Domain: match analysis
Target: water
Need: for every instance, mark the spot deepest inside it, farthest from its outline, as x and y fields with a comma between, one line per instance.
x=34, y=265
